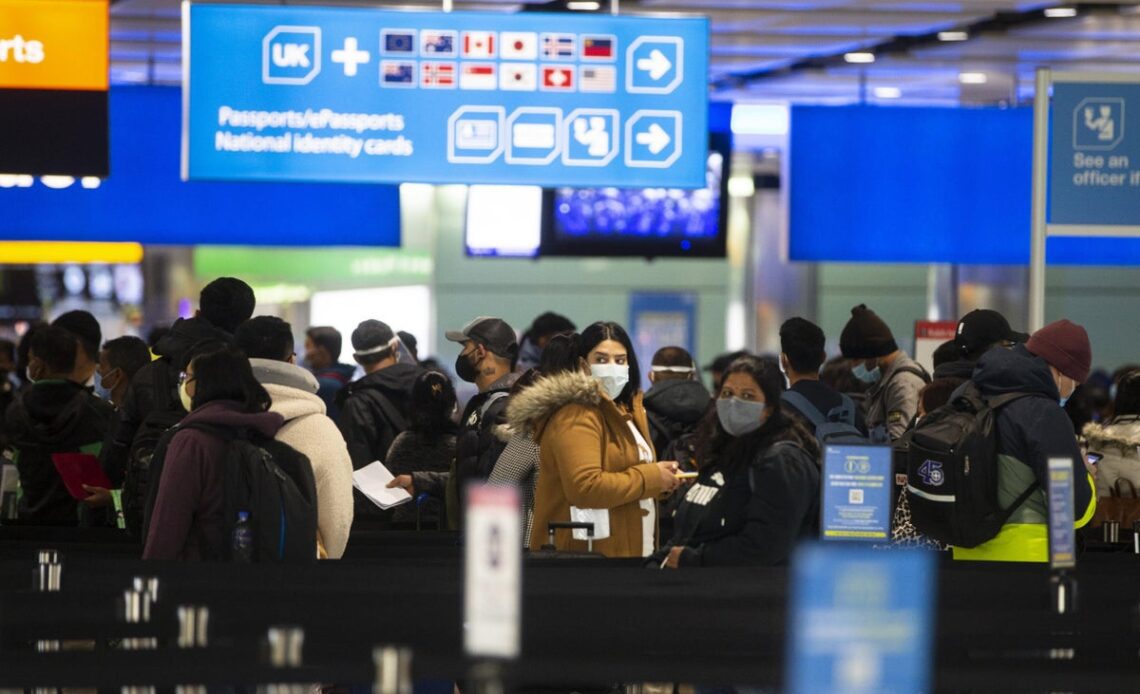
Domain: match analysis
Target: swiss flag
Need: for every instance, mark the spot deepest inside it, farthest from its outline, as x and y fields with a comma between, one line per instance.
x=479, y=44
x=558, y=78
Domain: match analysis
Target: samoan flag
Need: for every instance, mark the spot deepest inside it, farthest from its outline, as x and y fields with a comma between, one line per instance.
x=400, y=42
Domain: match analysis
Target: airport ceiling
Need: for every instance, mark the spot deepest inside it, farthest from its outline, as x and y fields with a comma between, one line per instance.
x=794, y=50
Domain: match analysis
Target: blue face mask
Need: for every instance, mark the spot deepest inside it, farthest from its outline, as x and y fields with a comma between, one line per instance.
x=860, y=372
x=101, y=392
x=529, y=356
x=1063, y=401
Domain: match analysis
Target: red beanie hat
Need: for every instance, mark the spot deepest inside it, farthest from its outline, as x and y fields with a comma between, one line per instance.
x=1065, y=346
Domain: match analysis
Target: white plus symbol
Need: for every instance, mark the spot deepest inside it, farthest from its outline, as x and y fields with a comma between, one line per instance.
x=558, y=78
x=350, y=56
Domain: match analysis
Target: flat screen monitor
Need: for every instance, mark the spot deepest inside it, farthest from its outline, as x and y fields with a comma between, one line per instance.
x=503, y=221
x=646, y=222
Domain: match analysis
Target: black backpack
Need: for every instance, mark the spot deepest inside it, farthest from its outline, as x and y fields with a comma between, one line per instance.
x=270, y=481
x=952, y=471
x=166, y=413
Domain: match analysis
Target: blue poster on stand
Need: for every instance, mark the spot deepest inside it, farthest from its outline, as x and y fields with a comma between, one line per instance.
x=856, y=493
x=1094, y=172
x=659, y=320
x=860, y=621
x=1062, y=530
x=367, y=95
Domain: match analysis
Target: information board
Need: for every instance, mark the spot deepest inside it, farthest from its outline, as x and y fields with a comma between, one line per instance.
x=367, y=95
x=1062, y=532
x=1094, y=172
x=856, y=493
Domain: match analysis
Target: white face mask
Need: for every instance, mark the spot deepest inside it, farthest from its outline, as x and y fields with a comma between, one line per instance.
x=612, y=377
x=784, y=373
x=28, y=375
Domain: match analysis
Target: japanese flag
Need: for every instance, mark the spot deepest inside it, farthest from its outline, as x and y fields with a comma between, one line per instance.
x=518, y=45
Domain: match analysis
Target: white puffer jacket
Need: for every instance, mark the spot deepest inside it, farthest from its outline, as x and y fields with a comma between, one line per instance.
x=1119, y=444
x=309, y=430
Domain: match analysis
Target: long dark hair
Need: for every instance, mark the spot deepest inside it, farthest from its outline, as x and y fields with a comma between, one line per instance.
x=225, y=374
x=433, y=402
x=599, y=332
x=1127, y=402
x=716, y=447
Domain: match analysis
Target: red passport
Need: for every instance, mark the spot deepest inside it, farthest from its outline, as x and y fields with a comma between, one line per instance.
x=78, y=469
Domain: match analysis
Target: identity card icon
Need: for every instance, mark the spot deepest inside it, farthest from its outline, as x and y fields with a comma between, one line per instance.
x=474, y=134
x=533, y=134
x=291, y=55
x=1098, y=124
x=653, y=139
x=590, y=137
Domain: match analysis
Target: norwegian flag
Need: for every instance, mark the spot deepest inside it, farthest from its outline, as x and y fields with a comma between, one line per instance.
x=437, y=75
x=478, y=44
x=558, y=79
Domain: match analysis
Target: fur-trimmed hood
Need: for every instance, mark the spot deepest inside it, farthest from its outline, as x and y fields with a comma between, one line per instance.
x=549, y=394
x=1122, y=435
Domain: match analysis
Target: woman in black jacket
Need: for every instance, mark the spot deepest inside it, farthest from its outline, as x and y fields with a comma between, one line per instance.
x=757, y=491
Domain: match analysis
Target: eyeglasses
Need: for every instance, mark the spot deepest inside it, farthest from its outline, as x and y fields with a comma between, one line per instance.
x=185, y=377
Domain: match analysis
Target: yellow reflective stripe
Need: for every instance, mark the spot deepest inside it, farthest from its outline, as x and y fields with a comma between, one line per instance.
x=1024, y=542
x=1091, y=510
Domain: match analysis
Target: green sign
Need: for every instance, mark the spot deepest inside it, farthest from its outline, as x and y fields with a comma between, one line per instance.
x=331, y=268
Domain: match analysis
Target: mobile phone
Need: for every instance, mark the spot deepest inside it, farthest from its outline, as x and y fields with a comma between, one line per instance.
x=1093, y=458
x=686, y=475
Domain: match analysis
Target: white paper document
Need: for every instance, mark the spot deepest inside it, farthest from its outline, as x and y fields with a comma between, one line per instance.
x=600, y=517
x=372, y=480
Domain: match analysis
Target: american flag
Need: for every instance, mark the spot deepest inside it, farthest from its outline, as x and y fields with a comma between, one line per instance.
x=437, y=75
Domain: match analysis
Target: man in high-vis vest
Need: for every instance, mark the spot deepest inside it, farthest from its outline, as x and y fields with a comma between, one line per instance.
x=1030, y=431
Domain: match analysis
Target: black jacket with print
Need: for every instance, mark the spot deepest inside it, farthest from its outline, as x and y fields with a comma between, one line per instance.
x=748, y=514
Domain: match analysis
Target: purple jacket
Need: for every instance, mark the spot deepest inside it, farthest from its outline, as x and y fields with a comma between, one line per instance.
x=188, y=508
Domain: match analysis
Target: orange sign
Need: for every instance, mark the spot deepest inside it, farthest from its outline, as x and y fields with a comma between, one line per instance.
x=53, y=44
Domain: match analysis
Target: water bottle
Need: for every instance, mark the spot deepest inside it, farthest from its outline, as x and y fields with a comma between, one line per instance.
x=242, y=548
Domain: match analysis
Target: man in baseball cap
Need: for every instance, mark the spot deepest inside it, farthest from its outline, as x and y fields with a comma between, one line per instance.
x=1031, y=430
x=978, y=332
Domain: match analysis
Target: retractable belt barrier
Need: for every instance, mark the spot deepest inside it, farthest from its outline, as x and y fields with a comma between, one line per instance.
x=597, y=621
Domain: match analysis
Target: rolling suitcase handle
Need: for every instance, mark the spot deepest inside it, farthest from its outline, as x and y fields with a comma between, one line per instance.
x=564, y=525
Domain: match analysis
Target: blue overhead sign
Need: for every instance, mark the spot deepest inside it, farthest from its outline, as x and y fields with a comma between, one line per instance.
x=365, y=95
x=1094, y=173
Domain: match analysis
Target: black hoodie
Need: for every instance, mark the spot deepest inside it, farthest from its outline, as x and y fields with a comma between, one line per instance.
x=674, y=407
x=53, y=417
x=151, y=404
x=1033, y=429
x=374, y=410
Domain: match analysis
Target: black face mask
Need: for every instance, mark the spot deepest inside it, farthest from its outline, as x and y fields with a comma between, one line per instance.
x=465, y=369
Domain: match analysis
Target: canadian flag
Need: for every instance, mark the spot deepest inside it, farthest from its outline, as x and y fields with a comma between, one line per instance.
x=558, y=78
x=518, y=45
x=479, y=44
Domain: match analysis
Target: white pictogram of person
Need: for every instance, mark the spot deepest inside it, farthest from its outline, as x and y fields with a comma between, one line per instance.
x=593, y=135
x=1104, y=125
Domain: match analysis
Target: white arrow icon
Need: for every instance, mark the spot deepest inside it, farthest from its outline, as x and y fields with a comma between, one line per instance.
x=656, y=139
x=657, y=65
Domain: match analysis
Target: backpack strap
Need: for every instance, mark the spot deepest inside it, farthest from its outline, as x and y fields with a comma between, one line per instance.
x=804, y=406
x=916, y=370
x=397, y=420
x=491, y=398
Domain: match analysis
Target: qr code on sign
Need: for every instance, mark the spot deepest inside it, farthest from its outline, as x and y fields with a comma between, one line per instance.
x=854, y=496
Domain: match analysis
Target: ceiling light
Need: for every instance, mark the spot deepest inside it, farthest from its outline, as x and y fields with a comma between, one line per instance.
x=584, y=5
x=741, y=186
x=973, y=78
x=887, y=92
x=1056, y=12
x=760, y=119
x=953, y=36
x=861, y=57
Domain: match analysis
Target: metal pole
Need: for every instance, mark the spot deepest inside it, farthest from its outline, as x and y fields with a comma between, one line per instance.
x=1040, y=183
x=615, y=7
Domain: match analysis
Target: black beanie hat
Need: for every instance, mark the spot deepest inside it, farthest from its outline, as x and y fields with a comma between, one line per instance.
x=866, y=336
